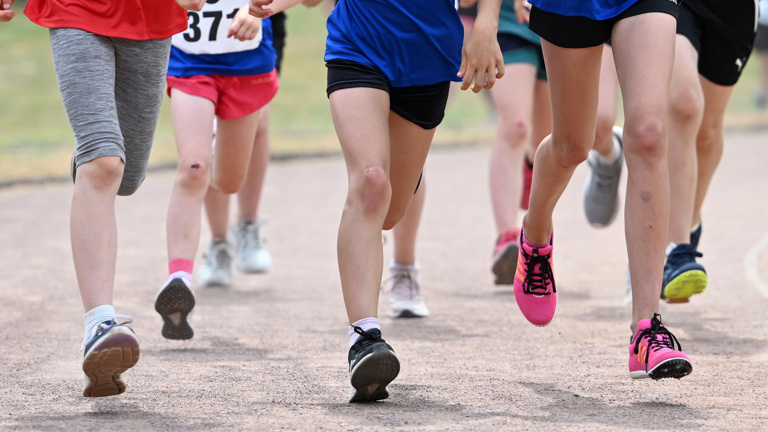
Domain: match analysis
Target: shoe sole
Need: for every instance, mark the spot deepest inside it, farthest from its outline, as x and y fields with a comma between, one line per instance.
x=370, y=377
x=406, y=313
x=685, y=285
x=174, y=303
x=505, y=266
x=103, y=368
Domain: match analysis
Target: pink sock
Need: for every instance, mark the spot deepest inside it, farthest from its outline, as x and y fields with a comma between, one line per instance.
x=180, y=264
x=532, y=244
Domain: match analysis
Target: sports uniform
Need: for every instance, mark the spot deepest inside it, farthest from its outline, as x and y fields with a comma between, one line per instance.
x=723, y=34
x=413, y=53
x=237, y=76
x=582, y=24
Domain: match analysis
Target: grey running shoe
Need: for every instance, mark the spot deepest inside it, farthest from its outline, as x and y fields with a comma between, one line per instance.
x=217, y=265
x=252, y=254
x=601, y=191
x=405, y=299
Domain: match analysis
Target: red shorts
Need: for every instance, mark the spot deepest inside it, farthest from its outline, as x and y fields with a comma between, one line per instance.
x=233, y=96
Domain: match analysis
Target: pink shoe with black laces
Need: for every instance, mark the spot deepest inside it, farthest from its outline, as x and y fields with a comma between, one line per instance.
x=535, y=282
x=652, y=352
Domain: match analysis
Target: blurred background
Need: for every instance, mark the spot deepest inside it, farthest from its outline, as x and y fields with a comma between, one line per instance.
x=36, y=141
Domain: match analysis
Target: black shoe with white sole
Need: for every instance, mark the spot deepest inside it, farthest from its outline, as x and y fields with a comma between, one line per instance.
x=372, y=365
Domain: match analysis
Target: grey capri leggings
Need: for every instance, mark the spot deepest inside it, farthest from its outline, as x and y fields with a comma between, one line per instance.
x=112, y=90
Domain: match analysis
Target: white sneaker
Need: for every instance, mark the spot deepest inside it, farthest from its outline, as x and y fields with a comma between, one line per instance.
x=217, y=265
x=405, y=299
x=252, y=255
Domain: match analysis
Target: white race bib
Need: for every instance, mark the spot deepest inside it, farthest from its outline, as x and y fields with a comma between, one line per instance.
x=207, y=32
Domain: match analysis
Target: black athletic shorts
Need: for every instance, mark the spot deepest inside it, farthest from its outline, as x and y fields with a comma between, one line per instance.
x=469, y=11
x=582, y=32
x=278, y=38
x=422, y=105
x=761, y=41
x=723, y=33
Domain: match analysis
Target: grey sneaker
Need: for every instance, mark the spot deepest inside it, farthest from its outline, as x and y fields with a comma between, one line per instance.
x=217, y=265
x=252, y=254
x=405, y=299
x=601, y=191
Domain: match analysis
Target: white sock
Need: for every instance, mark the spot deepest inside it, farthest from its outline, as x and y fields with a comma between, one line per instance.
x=96, y=316
x=366, y=324
x=670, y=247
x=614, y=154
x=185, y=276
x=397, y=266
x=695, y=227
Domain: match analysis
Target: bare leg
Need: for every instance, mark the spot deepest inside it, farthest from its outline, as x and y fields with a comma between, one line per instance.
x=709, y=141
x=93, y=229
x=513, y=100
x=606, y=104
x=193, y=127
x=573, y=83
x=234, y=145
x=645, y=43
x=686, y=107
x=406, y=230
x=250, y=194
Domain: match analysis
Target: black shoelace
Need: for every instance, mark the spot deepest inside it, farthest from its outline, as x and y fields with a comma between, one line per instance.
x=536, y=281
x=655, y=343
x=682, y=254
x=366, y=335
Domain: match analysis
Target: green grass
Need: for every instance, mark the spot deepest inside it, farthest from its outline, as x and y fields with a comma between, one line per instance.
x=36, y=140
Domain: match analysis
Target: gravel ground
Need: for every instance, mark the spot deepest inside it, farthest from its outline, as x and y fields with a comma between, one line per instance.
x=270, y=352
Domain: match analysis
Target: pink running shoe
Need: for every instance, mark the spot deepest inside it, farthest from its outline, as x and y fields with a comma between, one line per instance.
x=527, y=180
x=535, y=283
x=652, y=352
x=505, y=257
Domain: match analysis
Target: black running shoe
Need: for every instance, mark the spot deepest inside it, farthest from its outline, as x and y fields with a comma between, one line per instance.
x=683, y=276
x=372, y=365
x=696, y=236
x=174, y=303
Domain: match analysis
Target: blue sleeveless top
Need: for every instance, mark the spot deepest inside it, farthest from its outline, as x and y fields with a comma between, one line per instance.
x=412, y=42
x=593, y=9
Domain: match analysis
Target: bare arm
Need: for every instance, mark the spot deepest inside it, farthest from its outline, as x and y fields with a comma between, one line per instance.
x=481, y=59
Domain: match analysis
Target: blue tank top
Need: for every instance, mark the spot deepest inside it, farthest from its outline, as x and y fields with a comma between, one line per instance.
x=412, y=42
x=204, y=48
x=593, y=9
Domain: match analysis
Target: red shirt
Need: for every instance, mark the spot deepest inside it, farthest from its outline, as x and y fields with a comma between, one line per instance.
x=127, y=19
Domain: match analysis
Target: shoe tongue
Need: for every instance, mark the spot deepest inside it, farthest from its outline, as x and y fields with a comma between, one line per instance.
x=644, y=324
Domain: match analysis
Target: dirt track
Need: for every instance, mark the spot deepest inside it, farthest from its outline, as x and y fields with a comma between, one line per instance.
x=270, y=352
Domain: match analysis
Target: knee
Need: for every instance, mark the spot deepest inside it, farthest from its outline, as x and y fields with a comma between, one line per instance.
x=515, y=133
x=373, y=191
x=571, y=152
x=647, y=138
x=228, y=186
x=193, y=174
x=603, y=129
x=686, y=105
x=102, y=173
x=709, y=138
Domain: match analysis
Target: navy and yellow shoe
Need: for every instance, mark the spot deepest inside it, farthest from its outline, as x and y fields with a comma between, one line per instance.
x=683, y=276
x=111, y=350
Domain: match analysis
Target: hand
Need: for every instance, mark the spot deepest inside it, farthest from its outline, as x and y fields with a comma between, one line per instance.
x=481, y=59
x=311, y=3
x=257, y=8
x=523, y=11
x=467, y=3
x=244, y=26
x=6, y=14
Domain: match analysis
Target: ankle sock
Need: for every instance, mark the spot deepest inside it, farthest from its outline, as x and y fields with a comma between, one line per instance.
x=614, y=154
x=179, y=265
x=365, y=324
x=670, y=247
x=397, y=266
x=185, y=276
x=96, y=316
x=532, y=244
